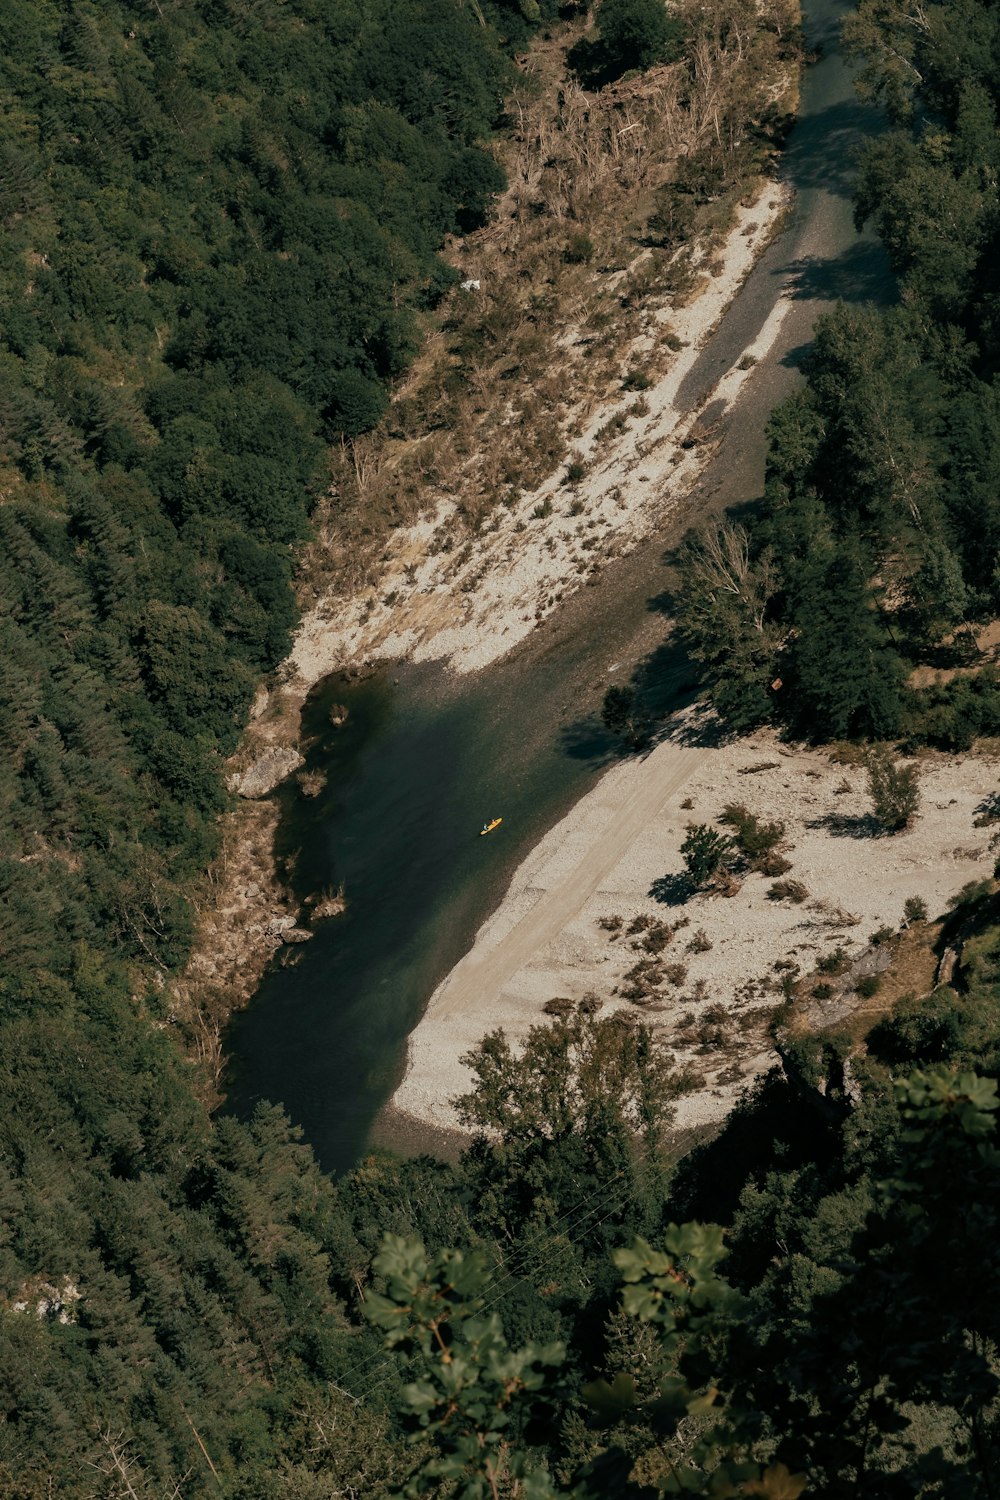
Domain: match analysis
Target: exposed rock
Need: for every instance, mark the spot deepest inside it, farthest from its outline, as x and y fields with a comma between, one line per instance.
x=297, y=935
x=260, y=701
x=47, y=1300
x=947, y=966
x=339, y=714
x=279, y=924
x=266, y=772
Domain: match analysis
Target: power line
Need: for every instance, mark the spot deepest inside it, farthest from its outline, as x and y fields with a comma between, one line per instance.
x=529, y=1260
x=531, y=1255
x=513, y=1270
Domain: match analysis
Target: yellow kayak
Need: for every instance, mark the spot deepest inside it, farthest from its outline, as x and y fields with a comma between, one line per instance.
x=489, y=827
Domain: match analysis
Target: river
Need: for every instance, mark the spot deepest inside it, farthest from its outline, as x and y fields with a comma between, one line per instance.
x=426, y=756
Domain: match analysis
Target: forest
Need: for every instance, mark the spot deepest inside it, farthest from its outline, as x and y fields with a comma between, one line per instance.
x=221, y=222
x=872, y=563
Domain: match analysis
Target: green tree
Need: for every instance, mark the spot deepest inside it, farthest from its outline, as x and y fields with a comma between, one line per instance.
x=894, y=790
x=631, y=34
x=705, y=851
x=636, y=33
x=723, y=611
x=619, y=714
x=845, y=679
x=470, y=1391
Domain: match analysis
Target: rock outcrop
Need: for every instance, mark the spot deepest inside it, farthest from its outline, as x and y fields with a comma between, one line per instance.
x=268, y=770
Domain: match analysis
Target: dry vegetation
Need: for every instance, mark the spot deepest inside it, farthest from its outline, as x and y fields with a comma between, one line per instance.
x=615, y=202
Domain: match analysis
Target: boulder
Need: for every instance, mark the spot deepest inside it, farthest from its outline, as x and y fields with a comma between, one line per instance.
x=267, y=771
x=279, y=924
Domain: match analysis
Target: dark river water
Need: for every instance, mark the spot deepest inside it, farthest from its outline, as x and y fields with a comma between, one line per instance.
x=426, y=756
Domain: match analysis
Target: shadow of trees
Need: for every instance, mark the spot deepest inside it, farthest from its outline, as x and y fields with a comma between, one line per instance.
x=846, y=826
x=672, y=889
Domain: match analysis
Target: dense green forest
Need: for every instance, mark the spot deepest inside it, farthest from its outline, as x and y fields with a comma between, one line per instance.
x=219, y=228
x=219, y=233
x=220, y=224
x=877, y=548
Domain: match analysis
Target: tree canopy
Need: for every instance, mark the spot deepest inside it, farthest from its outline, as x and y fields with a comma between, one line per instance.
x=876, y=547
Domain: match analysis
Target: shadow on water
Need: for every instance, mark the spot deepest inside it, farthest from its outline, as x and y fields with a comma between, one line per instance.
x=856, y=275
x=823, y=147
x=587, y=739
x=422, y=762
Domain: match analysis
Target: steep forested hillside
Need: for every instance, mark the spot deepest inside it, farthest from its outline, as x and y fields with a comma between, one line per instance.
x=219, y=226
x=877, y=548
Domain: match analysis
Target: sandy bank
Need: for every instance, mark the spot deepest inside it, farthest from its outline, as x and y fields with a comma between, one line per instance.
x=605, y=859
x=430, y=606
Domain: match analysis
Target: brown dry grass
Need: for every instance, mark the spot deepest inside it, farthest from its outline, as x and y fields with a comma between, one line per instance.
x=911, y=972
x=593, y=235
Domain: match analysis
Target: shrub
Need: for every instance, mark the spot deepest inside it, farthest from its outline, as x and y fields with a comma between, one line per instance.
x=915, y=909
x=355, y=404
x=822, y=991
x=700, y=942
x=560, y=1006
x=632, y=34
x=641, y=981
x=833, y=963
x=579, y=249
x=657, y=938
x=788, y=890
x=704, y=851
x=894, y=790
x=755, y=840
x=869, y=986
x=637, y=380
x=972, y=891
x=612, y=923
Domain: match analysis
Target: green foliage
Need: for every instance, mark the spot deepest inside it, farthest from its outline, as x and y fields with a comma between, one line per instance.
x=632, y=34
x=915, y=909
x=894, y=790
x=880, y=523
x=569, y=1076
x=220, y=223
x=219, y=231
x=356, y=403
x=469, y=1385
x=724, y=608
x=705, y=851
x=620, y=713
x=755, y=840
